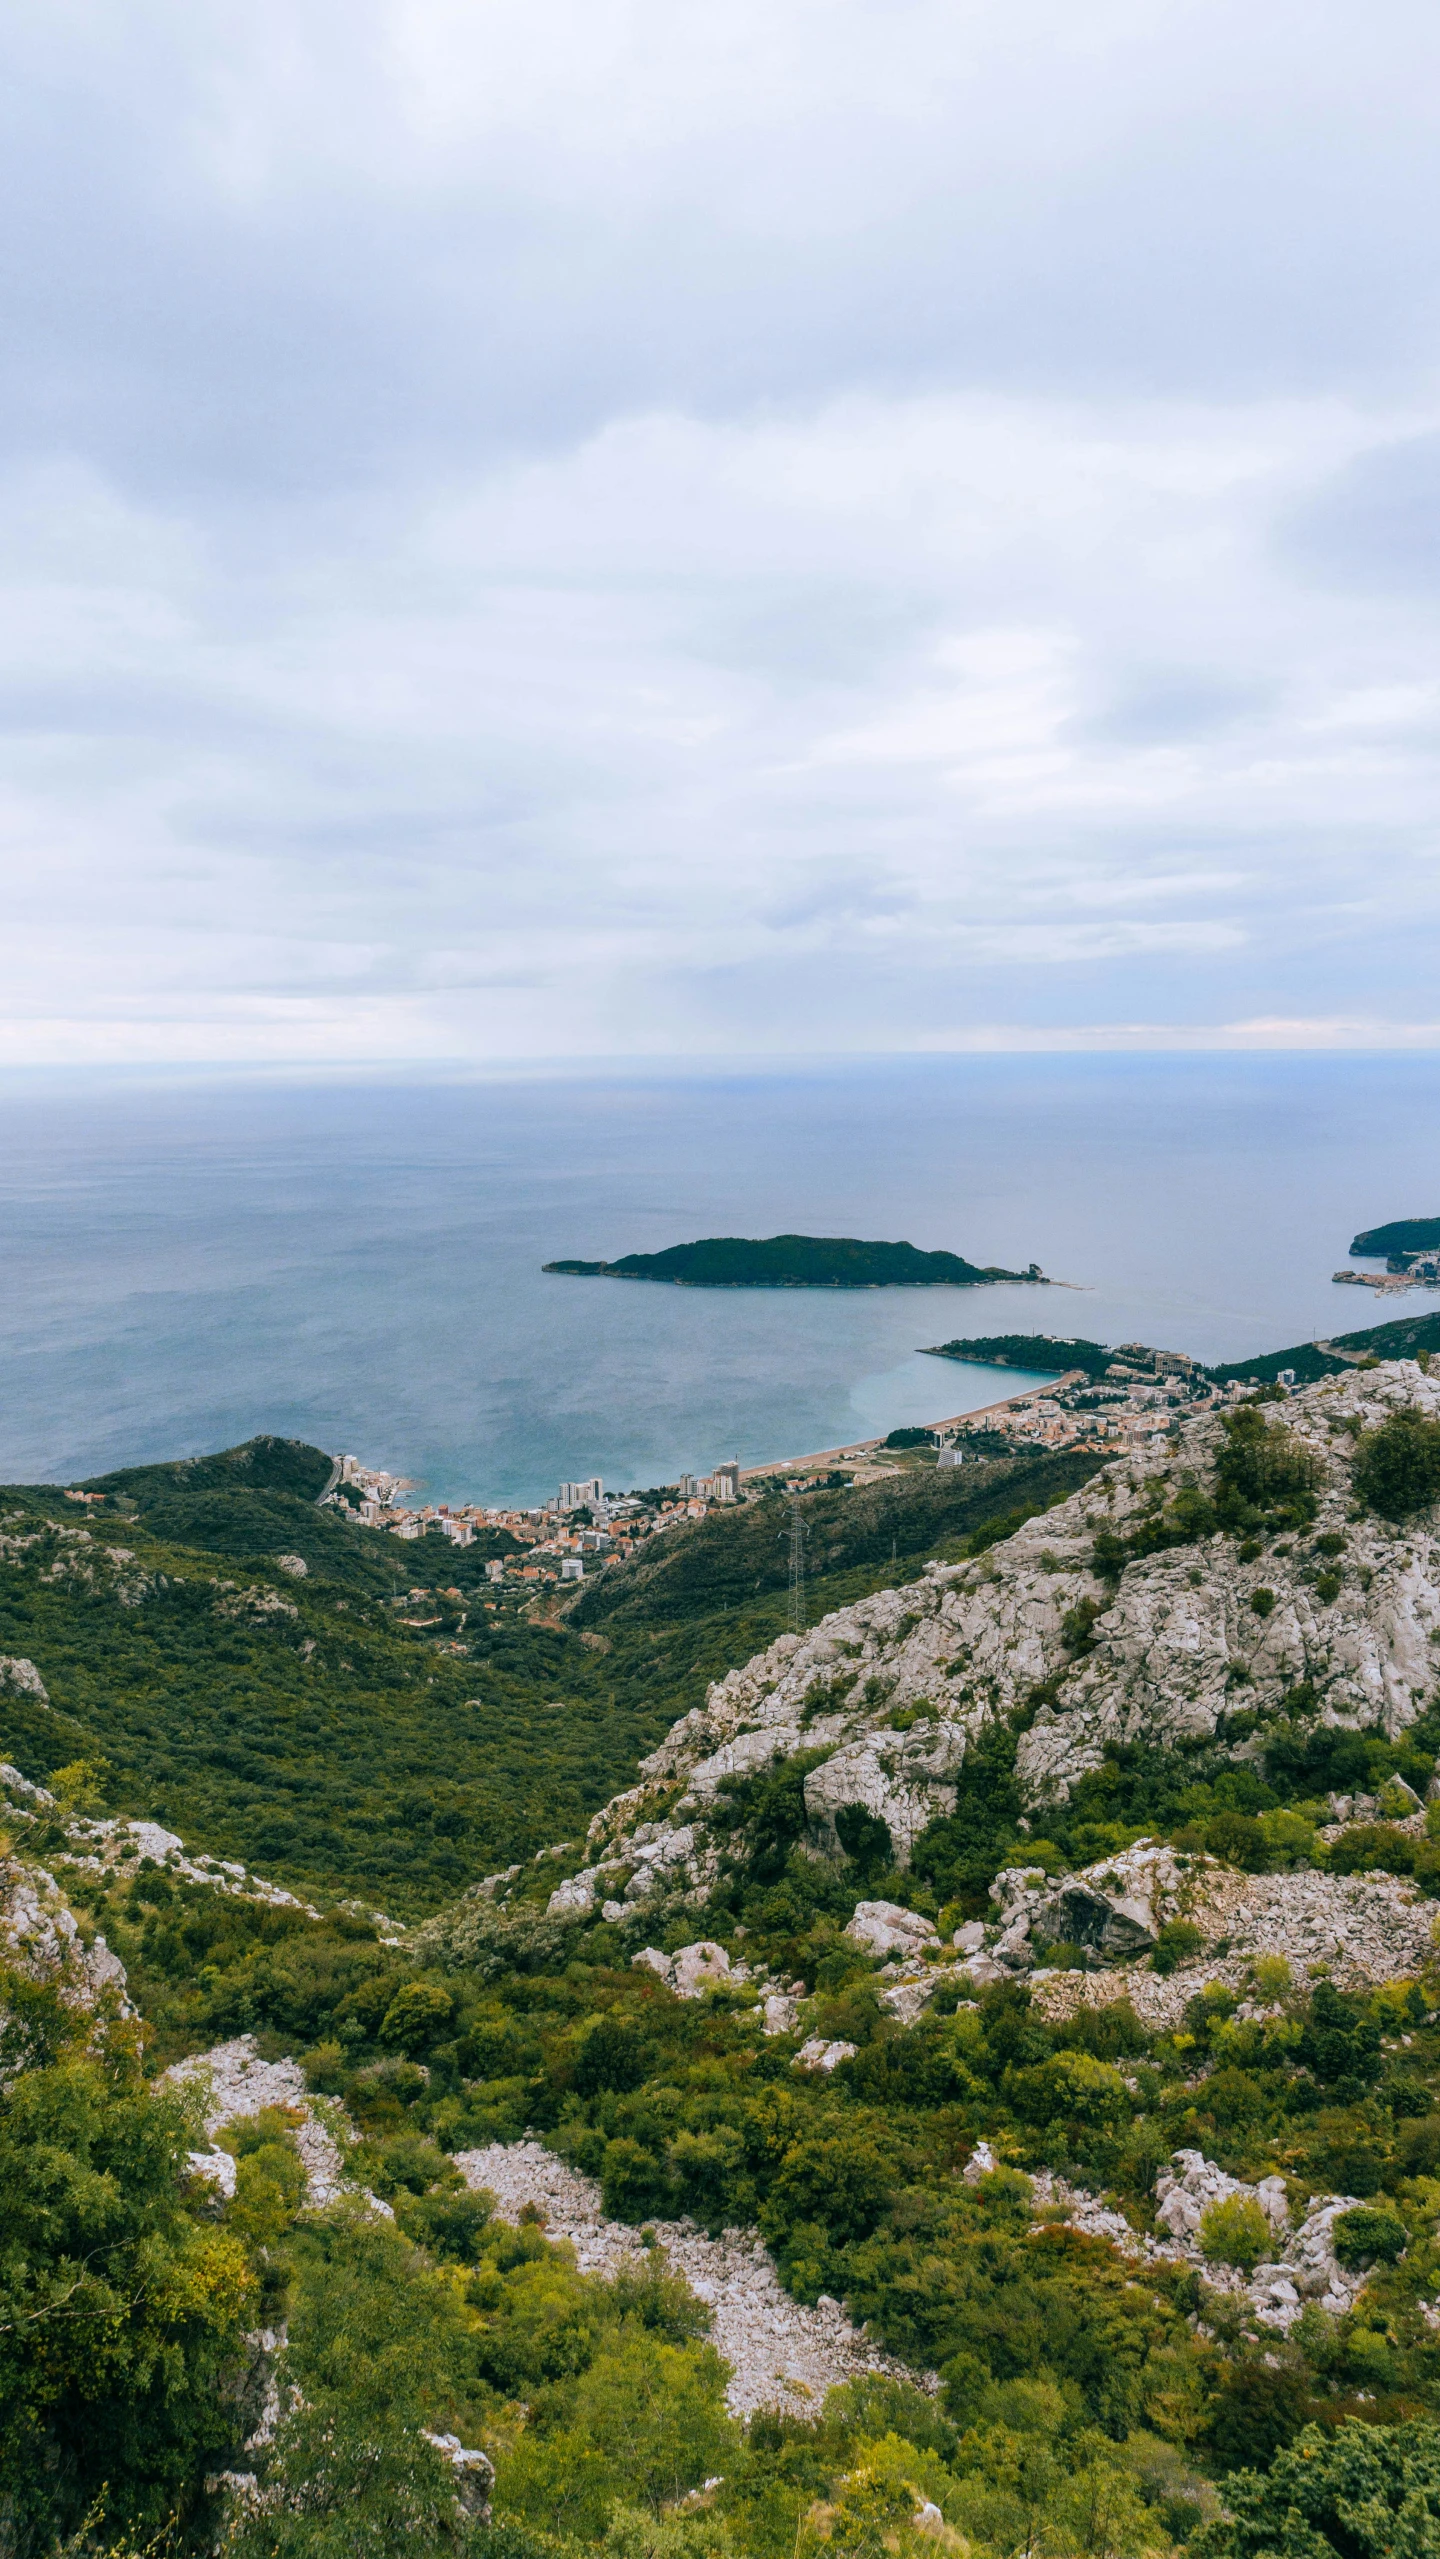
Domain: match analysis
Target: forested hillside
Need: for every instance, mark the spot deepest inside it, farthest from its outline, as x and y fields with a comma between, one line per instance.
x=344, y=1737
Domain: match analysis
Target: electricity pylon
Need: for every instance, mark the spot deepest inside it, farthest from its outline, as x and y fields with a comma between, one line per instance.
x=797, y=1567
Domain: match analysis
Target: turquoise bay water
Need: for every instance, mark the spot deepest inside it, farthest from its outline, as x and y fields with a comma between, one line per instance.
x=358, y=1262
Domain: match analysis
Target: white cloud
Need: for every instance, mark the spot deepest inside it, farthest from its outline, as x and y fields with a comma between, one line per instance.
x=562, y=529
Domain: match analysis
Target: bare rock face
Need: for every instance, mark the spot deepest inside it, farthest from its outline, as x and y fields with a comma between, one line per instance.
x=19, y=1678
x=1113, y=1909
x=1168, y=1649
x=884, y=1928
x=902, y=1779
x=39, y=1936
x=817, y=2054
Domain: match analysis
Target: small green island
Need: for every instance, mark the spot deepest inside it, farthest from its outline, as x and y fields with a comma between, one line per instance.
x=798, y=1261
x=1397, y=1242
x=1046, y=1353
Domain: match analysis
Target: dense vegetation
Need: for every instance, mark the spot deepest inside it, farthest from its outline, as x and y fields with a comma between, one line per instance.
x=1402, y=1235
x=379, y=1725
x=1042, y=1351
x=1409, y=1337
x=795, y=1261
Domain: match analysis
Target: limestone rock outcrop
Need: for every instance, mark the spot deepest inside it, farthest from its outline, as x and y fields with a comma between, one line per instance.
x=19, y=1678
x=692, y=1970
x=887, y=1697
x=884, y=1928
x=40, y=1937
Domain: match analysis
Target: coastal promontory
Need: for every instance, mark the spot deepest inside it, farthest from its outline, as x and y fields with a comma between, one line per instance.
x=797, y=1261
x=1397, y=1241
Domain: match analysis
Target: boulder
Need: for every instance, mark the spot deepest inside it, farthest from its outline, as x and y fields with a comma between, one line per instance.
x=217, y=2168
x=780, y=2013
x=884, y=1928
x=1105, y=1909
x=818, y=2055
x=692, y=1970
x=473, y=2473
x=575, y=1898
x=1186, y=2190
x=19, y=1678
x=703, y=1966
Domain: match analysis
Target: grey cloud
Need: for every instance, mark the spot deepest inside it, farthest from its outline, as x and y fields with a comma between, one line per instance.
x=1193, y=203
x=1377, y=523
x=1179, y=703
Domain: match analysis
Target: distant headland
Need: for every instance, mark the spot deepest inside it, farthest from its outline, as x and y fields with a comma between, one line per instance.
x=1400, y=1239
x=798, y=1261
x=1042, y=1352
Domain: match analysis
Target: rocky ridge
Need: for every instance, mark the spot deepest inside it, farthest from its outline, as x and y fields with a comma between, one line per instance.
x=887, y=1697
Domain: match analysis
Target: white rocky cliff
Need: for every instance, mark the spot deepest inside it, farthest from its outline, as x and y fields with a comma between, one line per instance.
x=887, y=1696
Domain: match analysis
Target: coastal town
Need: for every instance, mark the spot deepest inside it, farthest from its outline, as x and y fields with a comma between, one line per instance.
x=1133, y=1405
x=1417, y=1270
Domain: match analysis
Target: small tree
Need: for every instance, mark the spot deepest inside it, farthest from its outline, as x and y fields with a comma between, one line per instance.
x=1364, y=2492
x=1236, y=2233
x=1397, y=1467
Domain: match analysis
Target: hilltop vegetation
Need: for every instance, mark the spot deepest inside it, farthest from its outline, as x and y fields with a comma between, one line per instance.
x=854, y=1541
x=1403, y=1235
x=1042, y=1351
x=1408, y=1337
x=795, y=1261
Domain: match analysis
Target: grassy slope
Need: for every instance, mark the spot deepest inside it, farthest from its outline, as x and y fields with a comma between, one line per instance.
x=342, y=1751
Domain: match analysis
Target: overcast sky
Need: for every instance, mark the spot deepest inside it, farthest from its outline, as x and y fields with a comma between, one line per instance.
x=565, y=527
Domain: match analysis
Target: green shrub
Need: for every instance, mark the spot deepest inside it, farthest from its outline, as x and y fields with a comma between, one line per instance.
x=416, y=2017
x=1236, y=2233
x=1263, y=1468
x=1176, y=1943
x=1397, y=1467
x=1370, y=1848
x=1368, y=2232
x=1240, y=1840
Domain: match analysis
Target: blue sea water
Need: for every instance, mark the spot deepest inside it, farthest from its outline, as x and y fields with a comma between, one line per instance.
x=184, y=1261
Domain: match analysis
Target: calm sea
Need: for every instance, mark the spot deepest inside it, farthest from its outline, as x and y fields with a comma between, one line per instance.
x=358, y=1262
